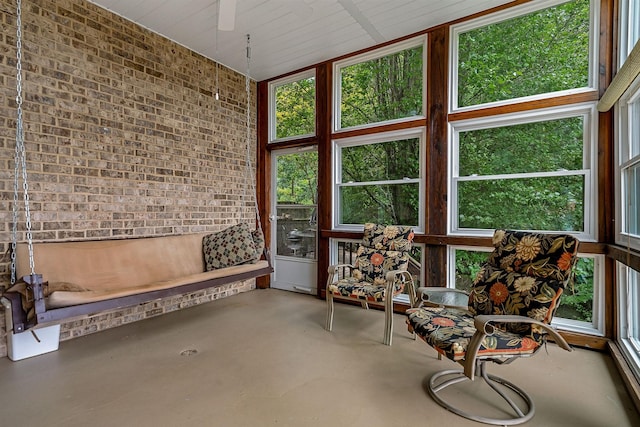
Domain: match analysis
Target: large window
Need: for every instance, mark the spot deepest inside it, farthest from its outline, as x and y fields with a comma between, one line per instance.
x=525, y=171
x=378, y=178
x=378, y=174
x=629, y=167
x=628, y=191
x=629, y=27
x=292, y=105
x=382, y=86
x=533, y=168
x=629, y=318
x=540, y=48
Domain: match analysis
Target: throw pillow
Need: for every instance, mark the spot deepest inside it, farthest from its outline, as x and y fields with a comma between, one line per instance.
x=229, y=247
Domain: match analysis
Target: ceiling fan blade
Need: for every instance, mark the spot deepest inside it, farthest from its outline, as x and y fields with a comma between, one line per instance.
x=226, y=15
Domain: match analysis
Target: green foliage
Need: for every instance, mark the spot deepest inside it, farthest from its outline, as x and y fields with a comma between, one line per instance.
x=296, y=108
x=392, y=203
x=577, y=301
x=297, y=178
x=544, y=146
x=382, y=89
x=542, y=52
x=554, y=203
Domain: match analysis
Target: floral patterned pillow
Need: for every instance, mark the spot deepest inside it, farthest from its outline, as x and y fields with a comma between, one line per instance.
x=390, y=237
x=372, y=265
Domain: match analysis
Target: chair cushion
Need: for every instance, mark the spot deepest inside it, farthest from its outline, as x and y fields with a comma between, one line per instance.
x=372, y=265
x=534, y=254
x=390, y=237
x=352, y=287
x=449, y=331
x=502, y=292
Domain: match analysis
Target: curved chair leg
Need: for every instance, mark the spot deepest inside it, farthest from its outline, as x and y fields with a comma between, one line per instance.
x=388, y=321
x=329, y=322
x=455, y=376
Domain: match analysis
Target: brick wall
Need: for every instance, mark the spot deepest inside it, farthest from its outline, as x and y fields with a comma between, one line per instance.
x=123, y=138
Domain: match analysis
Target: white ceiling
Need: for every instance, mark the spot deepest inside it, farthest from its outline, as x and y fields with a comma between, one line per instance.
x=287, y=35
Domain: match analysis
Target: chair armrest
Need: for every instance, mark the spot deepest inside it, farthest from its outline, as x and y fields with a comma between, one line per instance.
x=483, y=322
x=334, y=268
x=403, y=275
x=484, y=327
x=393, y=275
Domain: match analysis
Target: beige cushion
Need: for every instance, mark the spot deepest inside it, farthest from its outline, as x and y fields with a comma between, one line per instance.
x=114, y=264
x=64, y=299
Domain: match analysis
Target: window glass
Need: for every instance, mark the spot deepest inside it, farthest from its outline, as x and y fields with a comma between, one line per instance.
x=549, y=203
x=541, y=52
x=381, y=89
x=294, y=108
x=629, y=316
x=383, y=161
x=378, y=180
x=633, y=203
x=297, y=178
x=634, y=137
x=629, y=167
x=530, y=176
x=629, y=27
x=531, y=147
x=381, y=203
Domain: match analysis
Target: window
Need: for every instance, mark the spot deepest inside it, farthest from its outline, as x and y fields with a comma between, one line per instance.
x=628, y=191
x=629, y=167
x=292, y=107
x=383, y=86
x=378, y=178
x=538, y=48
x=629, y=27
x=526, y=171
x=581, y=304
x=629, y=317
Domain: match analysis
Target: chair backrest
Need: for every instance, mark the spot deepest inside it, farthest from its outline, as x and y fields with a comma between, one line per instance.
x=383, y=249
x=524, y=275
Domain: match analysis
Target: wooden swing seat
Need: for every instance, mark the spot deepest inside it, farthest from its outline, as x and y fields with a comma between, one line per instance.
x=87, y=277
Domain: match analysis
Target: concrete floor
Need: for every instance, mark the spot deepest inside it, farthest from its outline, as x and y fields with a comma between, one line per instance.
x=262, y=358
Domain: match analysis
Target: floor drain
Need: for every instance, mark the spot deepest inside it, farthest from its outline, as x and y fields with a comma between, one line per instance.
x=189, y=352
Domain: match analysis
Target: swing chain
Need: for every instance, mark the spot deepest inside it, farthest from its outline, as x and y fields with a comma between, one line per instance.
x=20, y=158
x=249, y=168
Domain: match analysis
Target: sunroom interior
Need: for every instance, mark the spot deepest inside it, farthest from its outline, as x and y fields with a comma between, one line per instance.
x=520, y=114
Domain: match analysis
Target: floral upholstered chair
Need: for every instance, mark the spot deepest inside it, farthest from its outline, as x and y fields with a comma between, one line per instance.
x=510, y=308
x=379, y=273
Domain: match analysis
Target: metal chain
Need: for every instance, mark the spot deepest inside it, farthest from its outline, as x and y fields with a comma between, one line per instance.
x=249, y=169
x=20, y=158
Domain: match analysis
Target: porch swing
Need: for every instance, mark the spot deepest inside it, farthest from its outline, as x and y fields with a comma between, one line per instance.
x=36, y=301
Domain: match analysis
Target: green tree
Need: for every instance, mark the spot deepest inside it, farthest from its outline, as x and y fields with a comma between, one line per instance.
x=296, y=108
x=544, y=51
